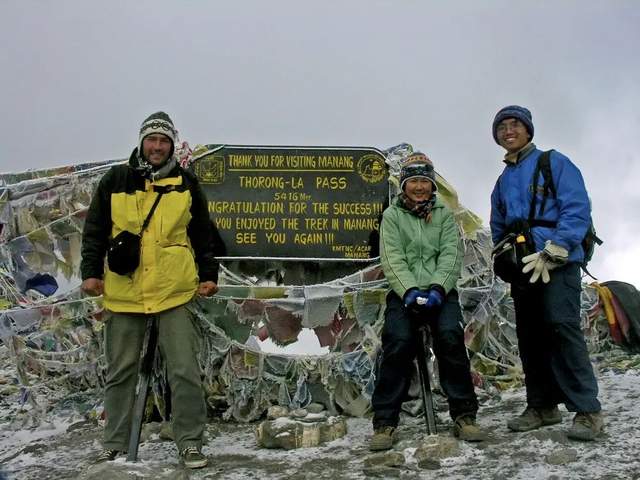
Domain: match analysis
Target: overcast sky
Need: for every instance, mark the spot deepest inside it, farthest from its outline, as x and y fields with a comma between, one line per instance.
x=78, y=77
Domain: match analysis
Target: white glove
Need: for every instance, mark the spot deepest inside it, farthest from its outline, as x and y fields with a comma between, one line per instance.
x=553, y=256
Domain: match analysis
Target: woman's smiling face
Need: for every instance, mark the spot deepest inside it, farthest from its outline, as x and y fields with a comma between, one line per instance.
x=418, y=189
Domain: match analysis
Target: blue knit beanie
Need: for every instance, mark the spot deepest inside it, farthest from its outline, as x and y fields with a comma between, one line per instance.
x=513, y=111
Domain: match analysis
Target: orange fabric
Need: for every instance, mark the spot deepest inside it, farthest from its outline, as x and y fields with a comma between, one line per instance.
x=606, y=300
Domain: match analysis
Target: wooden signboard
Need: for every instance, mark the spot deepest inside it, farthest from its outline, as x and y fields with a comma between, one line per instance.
x=295, y=202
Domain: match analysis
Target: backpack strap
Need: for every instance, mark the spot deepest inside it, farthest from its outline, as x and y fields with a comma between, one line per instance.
x=543, y=166
x=534, y=187
x=548, y=188
x=548, y=185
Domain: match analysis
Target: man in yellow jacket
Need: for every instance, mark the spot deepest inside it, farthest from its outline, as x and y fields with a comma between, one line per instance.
x=176, y=262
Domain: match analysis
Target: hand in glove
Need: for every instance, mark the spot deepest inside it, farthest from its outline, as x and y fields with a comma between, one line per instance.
x=553, y=256
x=410, y=297
x=431, y=298
x=415, y=301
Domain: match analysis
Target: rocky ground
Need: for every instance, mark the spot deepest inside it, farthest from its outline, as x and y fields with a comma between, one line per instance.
x=64, y=448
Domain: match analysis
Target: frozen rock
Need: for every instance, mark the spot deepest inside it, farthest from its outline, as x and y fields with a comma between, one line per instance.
x=429, y=464
x=386, y=459
x=277, y=411
x=562, y=456
x=315, y=408
x=314, y=417
x=299, y=413
x=434, y=448
x=288, y=433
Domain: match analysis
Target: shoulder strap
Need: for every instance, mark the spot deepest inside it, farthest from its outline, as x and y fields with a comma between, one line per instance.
x=545, y=168
x=161, y=192
x=534, y=188
x=548, y=188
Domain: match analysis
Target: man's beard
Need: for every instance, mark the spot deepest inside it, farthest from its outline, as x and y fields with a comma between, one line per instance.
x=152, y=172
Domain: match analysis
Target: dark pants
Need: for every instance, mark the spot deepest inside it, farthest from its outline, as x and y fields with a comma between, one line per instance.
x=554, y=354
x=399, y=348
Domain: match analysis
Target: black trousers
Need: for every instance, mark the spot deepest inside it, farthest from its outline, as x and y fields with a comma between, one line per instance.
x=399, y=348
x=552, y=348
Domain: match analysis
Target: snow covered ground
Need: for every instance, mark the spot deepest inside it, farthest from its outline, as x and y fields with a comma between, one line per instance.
x=64, y=448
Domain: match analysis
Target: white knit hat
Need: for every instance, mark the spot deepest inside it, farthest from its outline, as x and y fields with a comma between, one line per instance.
x=158, y=122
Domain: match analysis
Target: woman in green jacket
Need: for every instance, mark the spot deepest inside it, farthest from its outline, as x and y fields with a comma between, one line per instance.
x=421, y=255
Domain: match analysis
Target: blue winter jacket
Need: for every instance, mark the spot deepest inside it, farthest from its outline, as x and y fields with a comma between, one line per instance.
x=511, y=201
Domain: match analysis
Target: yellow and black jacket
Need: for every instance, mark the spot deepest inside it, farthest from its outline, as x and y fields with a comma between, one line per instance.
x=177, y=249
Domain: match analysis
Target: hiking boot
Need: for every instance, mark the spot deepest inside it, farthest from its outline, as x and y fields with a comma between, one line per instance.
x=107, y=455
x=586, y=426
x=382, y=439
x=466, y=428
x=193, y=458
x=533, y=418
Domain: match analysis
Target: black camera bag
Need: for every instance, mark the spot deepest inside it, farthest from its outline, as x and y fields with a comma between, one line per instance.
x=123, y=254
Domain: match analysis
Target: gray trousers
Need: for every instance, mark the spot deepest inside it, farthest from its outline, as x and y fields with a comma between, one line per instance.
x=179, y=345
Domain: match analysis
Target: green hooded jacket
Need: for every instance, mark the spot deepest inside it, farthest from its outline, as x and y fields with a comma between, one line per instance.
x=417, y=253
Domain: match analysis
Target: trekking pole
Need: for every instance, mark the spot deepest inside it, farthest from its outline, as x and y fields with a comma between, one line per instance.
x=147, y=355
x=424, y=355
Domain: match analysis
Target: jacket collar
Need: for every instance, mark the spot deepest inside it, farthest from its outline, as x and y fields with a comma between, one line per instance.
x=516, y=157
x=170, y=169
x=438, y=204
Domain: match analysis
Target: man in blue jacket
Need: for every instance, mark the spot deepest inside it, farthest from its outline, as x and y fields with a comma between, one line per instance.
x=546, y=293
